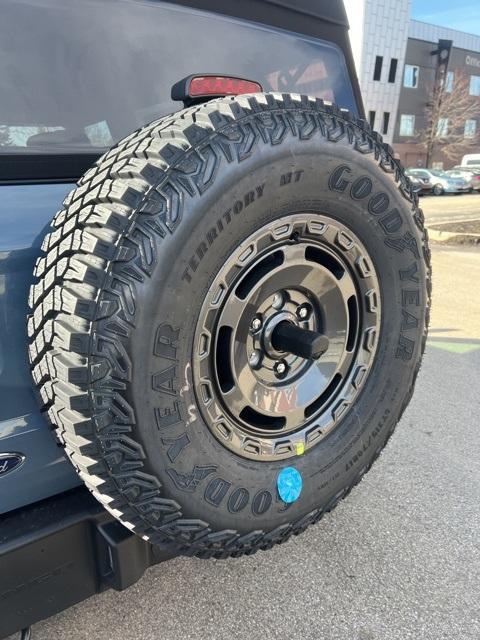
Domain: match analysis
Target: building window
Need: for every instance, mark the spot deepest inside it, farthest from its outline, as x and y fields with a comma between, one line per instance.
x=386, y=120
x=449, y=80
x=410, y=78
x=475, y=85
x=393, y=70
x=378, y=68
x=470, y=128
x=442, y=127
x=371, y=118
x=407, y=125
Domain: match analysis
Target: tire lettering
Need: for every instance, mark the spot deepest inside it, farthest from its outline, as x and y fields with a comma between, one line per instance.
x=405, y=348
x=176, y=446
x=378, y=203
x=165, y=381
x=189, y=481
x=216, y=491
x=213, y=233
x=392, y=222
x=410, y=297
x=361, y=188
x=356, y=457
x=407, y=241
x=167, y=416
x=261, y=502
x=291, y=176
x=409, y=321
x=166, y=342
x=238, y=500
x=336, y=181
x=410, y=274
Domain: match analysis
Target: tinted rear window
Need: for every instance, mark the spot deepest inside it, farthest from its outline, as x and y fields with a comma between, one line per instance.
x=78, y=76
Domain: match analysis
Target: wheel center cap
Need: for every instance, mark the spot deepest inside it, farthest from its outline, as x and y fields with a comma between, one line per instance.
x=267, y=333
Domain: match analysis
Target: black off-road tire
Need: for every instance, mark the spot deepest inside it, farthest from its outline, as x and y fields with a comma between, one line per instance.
x=126, y=268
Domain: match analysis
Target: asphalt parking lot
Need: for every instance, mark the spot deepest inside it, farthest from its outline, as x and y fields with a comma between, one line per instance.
x=446, y=208
x=399, y=559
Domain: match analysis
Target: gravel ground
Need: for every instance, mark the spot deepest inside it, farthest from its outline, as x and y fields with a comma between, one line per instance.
x=398, y=560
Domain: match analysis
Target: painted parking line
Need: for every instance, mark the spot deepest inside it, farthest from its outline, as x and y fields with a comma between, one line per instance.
x=454, y=347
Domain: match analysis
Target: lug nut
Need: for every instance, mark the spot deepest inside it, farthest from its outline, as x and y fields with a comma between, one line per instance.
x=303, y=311
x=278, y=300
x=256, y=324
x=280, y=368
x=255, y=358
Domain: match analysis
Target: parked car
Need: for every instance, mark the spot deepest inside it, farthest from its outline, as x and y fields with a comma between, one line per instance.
x=440, y=181
x=470, y=174
x=422, y=186
x=471, y=160
x=224, y=311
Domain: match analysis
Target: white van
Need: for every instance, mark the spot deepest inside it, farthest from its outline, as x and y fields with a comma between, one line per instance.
x=471, y=159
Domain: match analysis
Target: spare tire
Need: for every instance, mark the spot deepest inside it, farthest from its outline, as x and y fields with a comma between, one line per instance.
x=154, y=335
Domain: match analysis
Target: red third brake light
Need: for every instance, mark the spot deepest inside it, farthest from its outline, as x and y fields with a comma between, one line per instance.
x=203, y=87
x=221, y=86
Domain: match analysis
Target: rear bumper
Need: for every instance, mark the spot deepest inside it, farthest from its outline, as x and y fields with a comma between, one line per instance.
x=61, y=551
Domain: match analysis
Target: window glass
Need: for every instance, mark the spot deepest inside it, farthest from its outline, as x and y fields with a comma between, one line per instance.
x=449, y=81
x=475, y=85
x=407, y=125
x=410, y=77
x=442, y=127
x=470, y=128
x=393, y=70
x=78, y=76
x=420, y=174
x=377, y=72
x=386, y=120
x=371, y=119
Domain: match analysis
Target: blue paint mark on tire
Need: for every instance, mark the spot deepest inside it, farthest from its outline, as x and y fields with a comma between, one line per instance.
x=289, y=484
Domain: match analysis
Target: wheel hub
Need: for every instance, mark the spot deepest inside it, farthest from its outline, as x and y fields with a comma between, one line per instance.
x=286, y=336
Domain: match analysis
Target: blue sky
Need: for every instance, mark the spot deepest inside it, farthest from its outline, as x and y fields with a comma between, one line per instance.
x=463, y=14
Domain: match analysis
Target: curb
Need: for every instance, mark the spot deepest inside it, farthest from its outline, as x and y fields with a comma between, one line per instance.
x=452, y=237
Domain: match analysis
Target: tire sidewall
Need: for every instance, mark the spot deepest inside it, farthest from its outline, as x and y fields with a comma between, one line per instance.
x=195, y=469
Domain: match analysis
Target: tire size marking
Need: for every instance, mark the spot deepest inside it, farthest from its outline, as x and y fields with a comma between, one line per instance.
x=368, y=443
x=212, y=234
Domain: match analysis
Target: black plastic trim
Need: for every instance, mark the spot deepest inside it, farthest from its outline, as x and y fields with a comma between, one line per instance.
x=332, y=11
x=40, y=167
x=61, y=551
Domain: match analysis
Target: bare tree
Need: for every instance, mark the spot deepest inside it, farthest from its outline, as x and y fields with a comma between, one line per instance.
x=447, y=114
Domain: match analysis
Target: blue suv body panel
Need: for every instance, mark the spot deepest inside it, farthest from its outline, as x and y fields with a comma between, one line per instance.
x=25, y=215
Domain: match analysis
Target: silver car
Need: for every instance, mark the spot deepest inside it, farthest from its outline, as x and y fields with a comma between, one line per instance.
x=471, y=175
x=441, y=182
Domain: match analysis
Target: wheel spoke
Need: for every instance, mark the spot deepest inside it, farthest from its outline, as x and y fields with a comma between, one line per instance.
x=347, y=286
x=233, y=311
